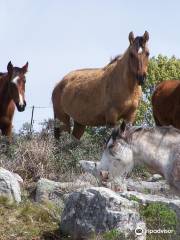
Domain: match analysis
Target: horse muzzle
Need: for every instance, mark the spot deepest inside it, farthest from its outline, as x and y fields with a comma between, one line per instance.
x=141, y=79
x=21, y=107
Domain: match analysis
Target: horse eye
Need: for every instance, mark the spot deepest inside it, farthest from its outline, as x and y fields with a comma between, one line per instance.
x=147, y=54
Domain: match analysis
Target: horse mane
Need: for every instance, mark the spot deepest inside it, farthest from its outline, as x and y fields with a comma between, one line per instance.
x=2, y=74
x=113, y=60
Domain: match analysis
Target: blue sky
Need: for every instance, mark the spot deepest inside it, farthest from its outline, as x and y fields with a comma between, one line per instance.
x=58, y=36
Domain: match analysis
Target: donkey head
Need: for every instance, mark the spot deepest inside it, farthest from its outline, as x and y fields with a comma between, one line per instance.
x=17, y=82
x=138, y=56
x=117, y=158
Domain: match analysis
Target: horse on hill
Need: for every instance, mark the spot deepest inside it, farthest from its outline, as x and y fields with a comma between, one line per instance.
x=166, y=103
x=12, y=90
x=102, y=96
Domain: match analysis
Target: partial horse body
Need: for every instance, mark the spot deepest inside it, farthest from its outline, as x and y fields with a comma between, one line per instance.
x=158, y=148
x=12, y=89
x=102, y=96
x=166, y=103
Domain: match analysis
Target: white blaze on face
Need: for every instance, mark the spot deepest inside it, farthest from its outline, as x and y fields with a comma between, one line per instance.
x=21, y=102
x=140, y=50
x=15, y=80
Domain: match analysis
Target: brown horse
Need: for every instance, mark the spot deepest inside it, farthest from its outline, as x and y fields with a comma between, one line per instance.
x=166, y=103
x=102, y=96
x=12, y=89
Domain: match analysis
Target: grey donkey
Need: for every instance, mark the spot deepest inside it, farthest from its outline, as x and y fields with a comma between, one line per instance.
x=158, y=148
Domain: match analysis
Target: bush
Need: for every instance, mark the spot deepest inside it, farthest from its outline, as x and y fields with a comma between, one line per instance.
x=160, y=68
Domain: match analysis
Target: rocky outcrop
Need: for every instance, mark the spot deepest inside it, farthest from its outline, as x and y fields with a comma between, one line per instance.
x=56, y=192
x=97, y=210
x=155, y=187
x=10, y=186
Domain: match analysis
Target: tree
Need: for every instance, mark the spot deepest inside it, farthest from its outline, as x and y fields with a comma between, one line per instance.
x=160, y=69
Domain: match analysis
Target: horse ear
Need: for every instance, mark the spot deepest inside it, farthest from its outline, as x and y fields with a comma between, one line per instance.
x=10, y=68
x=25, y=68
x=146, y=36
x=131, y=38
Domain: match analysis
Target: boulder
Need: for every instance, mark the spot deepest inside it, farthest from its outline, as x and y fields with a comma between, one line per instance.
x=97, y=210
x=148, y=198
x=10, y=186
x=160, y=188
x=56, y=192
x=49, y=191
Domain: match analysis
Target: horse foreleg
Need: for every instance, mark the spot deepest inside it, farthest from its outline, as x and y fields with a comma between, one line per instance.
x=111, y=118
x=129, y=118
x=7, y=131
x=78, y=130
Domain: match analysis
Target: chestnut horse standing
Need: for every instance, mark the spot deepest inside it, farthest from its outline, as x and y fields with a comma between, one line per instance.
x=102, y=96
x=12, y=89
x=166, y=103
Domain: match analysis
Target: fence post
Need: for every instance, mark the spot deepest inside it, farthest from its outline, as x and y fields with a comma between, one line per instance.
x=32, y=115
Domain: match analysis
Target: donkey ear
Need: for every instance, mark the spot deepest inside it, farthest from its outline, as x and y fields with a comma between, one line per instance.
x=131, y=38
x=123, y=129
x=146, y=36
x=25, y=68
x=10, y=68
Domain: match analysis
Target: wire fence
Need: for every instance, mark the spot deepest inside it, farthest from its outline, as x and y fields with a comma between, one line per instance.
x=31, y=118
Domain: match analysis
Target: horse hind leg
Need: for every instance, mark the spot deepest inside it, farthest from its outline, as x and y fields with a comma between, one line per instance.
x=58, y=128
x=78, y=130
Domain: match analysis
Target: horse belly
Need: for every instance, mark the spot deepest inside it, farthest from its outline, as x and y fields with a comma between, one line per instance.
x=84, y=105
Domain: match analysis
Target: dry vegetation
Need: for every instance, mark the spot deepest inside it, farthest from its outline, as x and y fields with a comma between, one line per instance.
x=39, y=155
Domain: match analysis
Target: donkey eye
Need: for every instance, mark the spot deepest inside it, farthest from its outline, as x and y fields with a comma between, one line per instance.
x=111, y=146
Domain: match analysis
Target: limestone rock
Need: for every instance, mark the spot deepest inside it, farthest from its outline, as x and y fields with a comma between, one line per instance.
x=10, y=185
x=56, y=192
x=97, y=210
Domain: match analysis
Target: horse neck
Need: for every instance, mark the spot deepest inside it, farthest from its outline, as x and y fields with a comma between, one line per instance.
x=5, y=97
x=144, y=152
x=122, y=75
